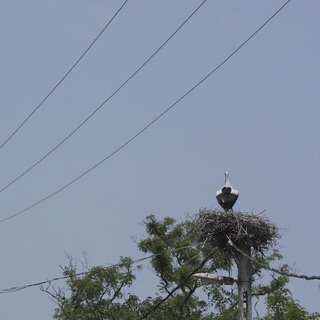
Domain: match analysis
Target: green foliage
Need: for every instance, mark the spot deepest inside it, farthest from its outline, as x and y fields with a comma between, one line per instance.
x=280, y=303
x=100, y=292
x=94, y=294
x=176, y=254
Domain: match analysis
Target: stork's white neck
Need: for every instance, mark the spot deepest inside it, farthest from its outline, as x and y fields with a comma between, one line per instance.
x=226, y=178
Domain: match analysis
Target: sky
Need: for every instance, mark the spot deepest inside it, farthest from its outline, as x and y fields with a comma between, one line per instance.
x=257, y=117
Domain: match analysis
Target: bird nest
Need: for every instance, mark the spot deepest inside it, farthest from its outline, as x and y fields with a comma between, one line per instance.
x=218, y=227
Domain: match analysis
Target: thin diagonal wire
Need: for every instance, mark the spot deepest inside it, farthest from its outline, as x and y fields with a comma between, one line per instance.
x=287, y=274
x=102, y=104
x=64, y=77
x=148, y=125
x=117, y=265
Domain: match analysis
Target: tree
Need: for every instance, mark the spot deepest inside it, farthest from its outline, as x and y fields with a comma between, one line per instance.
x=100, y=292
x=280, y=302
x=94, y=294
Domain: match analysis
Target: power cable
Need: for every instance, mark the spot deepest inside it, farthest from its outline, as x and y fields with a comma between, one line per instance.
x=286, y=274
x=102, y=104
x=64, y=77
x=116, y=265
x=150, y=123
x=157, y=306
x=36, y=284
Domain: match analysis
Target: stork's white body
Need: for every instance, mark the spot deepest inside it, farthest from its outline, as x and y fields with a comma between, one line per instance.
x=227, y=196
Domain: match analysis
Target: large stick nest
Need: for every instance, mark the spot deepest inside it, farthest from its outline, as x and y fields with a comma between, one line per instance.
x=217, y=227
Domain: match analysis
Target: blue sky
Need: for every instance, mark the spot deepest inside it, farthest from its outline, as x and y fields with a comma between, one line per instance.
x=256, y=117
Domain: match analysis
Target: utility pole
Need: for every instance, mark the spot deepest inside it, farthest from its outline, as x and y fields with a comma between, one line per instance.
x=244, y=282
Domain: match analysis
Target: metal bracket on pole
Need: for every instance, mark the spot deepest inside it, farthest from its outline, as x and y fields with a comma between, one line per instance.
x=245, y=302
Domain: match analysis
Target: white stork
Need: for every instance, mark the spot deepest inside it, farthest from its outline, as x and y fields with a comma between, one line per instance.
x=227, y=196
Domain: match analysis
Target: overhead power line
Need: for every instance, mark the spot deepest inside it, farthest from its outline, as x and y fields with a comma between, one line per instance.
x=150, y=123
x=116, y=265
x=286, y=274
x=64, y=77
x=177, y=287
x=104, y=102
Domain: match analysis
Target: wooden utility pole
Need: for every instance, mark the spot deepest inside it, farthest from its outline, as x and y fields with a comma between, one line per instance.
x=244, y=283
